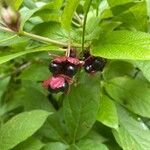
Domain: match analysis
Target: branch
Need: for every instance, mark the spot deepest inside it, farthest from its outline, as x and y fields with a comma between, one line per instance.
x=84, y=24
x=39, y=38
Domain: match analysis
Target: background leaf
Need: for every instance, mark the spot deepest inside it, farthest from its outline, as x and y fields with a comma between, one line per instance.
x=133, y=94
x=80, y=110
x=89, y=144
x=55, y=146
x=123, y=45
x=9, y=57
x=144, y=66
x=30, y=144
x=107, y=112
x=132, y=133
x=68, y=13
x=21, y=127
x=117, y=68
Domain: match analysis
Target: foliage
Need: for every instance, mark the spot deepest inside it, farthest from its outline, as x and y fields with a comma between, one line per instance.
x=102, y=111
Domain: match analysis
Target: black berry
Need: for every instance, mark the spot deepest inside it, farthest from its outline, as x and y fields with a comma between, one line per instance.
x=88, y=68
x=55, y=68
x=71, y=70
x=99, y=64
x=65, y=87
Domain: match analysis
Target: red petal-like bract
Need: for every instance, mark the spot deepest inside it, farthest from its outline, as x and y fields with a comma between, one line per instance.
x=54, y=82
x=71, y=60
x=74, y=61
x=60, y=59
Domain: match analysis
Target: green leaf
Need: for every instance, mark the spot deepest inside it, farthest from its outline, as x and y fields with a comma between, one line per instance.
x=132, y=133
x=95, y=135
x=49, y=15
x=7, y=39
x=17, y=4
x=55, y=146
x=131, y=93
x=144, y=66
x=3, y=86
x=30, y=4
x=25, y=98
x=123, y=45
x=9, y=57
x=148, y=7
x=35, y=72
x=14, y=3
x=92, y=28
x=117, y=69
x=52, y=30
x=20, y=127
x=57, y=4
x=54, y=129
x=30, y=144
x=88, y=144
x=132, y=15
x=113, y=3
x=68, y=13
x=107, y=112
x=80, y=110
x=26, y=14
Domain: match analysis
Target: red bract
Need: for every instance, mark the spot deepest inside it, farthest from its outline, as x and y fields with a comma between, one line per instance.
x=62, y=59
x=74, y=61
x=54, y=82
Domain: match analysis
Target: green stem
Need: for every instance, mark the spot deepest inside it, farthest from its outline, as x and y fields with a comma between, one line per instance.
x=84, y=24
x=39, y=38
x=97, y=11
x=78, y=19
x=76, y=24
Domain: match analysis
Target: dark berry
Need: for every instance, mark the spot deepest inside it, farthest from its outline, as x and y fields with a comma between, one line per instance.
x=65, y=87
x=88, y=68
x=71, y=70
x=55, y=68
x=53, y=90
x=99, y=64
x=86, y=54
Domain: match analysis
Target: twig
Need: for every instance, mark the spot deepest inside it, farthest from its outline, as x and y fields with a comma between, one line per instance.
x=78, y=19
x=39, y=38
x=84, y=24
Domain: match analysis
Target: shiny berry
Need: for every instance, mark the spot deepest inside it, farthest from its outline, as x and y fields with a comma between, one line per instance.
x=88, y=68
x=65, y=87
x=71, y=70
x=99, y=64
x=55, y=68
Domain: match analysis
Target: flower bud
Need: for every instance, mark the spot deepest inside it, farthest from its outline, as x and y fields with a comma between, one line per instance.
x=11, y=18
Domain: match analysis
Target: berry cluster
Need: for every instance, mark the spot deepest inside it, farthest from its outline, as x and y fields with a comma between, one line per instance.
x=64, y=69
x=93, y=64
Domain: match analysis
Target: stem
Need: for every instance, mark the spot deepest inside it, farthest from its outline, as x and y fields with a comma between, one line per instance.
x=84, y=24
x=39, y=38
x=78, y=19
x=97, y=11
x=76, y=24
